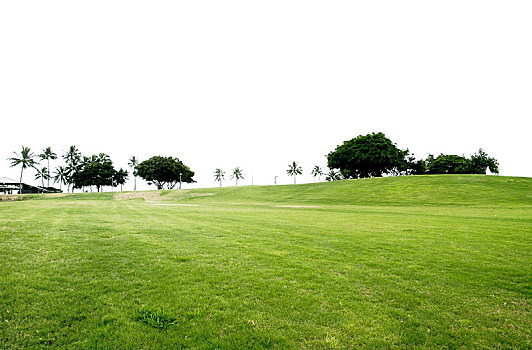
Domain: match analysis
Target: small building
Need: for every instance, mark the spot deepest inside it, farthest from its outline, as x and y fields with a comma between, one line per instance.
x=10, y=186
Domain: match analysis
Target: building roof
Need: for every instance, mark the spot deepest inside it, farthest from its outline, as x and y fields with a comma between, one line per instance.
x=7, y=180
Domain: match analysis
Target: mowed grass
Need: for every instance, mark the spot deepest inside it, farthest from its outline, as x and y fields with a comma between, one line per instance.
x=406, y=262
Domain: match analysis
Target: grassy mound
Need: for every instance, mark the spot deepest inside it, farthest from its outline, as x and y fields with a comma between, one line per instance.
x=409, y=262
x=395, y=191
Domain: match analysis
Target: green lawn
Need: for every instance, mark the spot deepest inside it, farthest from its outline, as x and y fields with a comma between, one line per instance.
x=405, y=262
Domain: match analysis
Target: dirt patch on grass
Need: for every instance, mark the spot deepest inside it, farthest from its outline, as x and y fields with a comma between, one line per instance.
x=56, y=194
x=10, y=197
x=154, y=196
x=147, y=196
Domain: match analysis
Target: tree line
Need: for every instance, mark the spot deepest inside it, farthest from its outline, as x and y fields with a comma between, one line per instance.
x=375, y=155
x=78, y=171
x=82, y=172
x=371, y=155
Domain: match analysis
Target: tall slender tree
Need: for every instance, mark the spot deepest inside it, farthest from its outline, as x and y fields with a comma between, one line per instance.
x=317, y=171
x=60, y=175
x=42, y=174
x=293, y=170
x=219, y=175
x=237, y=174
x=133, y=162
x=48, y=154
x=72, y=158
x=26, y=159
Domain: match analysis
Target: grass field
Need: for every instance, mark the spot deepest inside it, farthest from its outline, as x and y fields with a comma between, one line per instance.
x=405, y=262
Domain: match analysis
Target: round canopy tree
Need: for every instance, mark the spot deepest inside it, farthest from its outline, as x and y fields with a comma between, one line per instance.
x=163, y=171
x=371, y=155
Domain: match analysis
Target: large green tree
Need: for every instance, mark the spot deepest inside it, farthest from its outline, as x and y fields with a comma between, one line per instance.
x=97, y=170
x=448, y=164
x=480, y=161
x=26, y=159
x=165, y=171
x=453, y=164
x=371, y=155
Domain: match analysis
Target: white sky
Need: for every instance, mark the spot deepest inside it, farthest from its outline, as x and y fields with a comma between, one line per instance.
x=260, y=84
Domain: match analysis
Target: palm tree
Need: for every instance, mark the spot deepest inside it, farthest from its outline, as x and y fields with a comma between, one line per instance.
x=219, y=175
x=60, y=175
x=237, y=174
x=133, y=162
x=42, y=174
x=317, y=171
x=72, y=157
x=293, y=170
x=334, y=175
x=48, y=154
x=103, y=157
x=26, y=159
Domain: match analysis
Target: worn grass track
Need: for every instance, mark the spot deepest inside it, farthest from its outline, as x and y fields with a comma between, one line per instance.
x=426, y=262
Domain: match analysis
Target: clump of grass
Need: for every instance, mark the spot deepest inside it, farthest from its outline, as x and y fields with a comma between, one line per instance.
x=156, y=318
x=182, y=258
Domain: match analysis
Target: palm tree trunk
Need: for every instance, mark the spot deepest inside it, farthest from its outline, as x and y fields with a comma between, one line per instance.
x=135, y=183
x=20, y=182
x=294, y=179
x=48, y=172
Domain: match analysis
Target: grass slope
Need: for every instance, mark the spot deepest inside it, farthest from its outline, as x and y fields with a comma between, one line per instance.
x=417, y=262
x=430, y=190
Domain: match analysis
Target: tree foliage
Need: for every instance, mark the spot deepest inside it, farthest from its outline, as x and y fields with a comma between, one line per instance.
x=219, y=175
x=60, y=176
x=97, y=170
x=48, y=154
x=133, y=162
x=42, y=174
x=164, y=171
x=481, y=161
x=453, y=164
x=237, y=174
x=26, y=159
x=333, y=175
x=371, y=155
x=317, y=171
x=293, y=170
